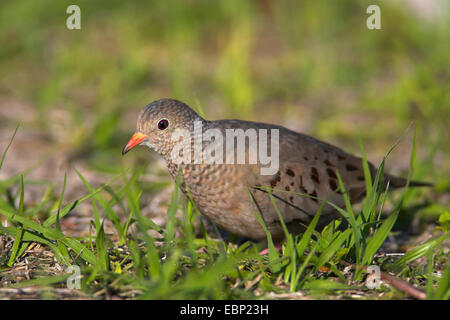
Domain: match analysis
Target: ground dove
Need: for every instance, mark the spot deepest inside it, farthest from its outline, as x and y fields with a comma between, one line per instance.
x=230, y=193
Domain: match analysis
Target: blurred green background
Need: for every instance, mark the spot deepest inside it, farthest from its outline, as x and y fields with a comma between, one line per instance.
x=312, y=66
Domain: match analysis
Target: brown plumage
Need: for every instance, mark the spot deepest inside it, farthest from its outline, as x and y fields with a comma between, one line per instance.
x=221, y=191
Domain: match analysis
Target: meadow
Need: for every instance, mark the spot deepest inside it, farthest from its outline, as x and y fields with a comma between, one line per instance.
x=69, y=99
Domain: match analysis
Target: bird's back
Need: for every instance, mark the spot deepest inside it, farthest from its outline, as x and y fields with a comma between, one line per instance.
x=307, y=173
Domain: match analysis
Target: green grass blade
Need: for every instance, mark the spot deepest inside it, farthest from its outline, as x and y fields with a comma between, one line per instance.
x=64, y=253
x=290, y=251
x=380, y=235
x=61, y=197
x=280, y=216
x=306, y=237
x=273, y=255
x=94, y=205
x=325, y=285
x=189, y=235
x=41, y=282
x=171, y=213
x=443, y=290
x=367, y=174
x=359, y=241
x=18, y=239
x=382, y=232
x=303, y=266
x=69, y=207
x=53, y=234
x=152, y=254
x=15, y=248
x=102, y=249
x=430, y=266
x=419, y=251
x=9, y=145
x=334, y=246
x=372, y=198
x=30, y=236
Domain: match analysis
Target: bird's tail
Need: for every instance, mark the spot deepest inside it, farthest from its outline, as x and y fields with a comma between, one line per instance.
x=398, y=182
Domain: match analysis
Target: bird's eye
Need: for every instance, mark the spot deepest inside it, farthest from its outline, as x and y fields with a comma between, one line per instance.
x=163, y=124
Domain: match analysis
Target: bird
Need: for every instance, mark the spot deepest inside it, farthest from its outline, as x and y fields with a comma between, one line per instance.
x=232, y=194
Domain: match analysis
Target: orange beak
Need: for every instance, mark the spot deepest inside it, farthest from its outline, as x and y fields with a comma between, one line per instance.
x=135, y=140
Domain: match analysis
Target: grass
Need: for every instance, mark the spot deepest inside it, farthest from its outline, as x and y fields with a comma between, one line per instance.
x=136, y=264
x=312, y=66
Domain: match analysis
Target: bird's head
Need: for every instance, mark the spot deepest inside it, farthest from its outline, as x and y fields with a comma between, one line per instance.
x=157, y=123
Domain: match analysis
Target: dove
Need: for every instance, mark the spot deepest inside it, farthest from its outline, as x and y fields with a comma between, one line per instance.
x=230, y=185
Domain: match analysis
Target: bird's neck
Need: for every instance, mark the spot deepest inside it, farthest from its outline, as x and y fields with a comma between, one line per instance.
x=193, y=144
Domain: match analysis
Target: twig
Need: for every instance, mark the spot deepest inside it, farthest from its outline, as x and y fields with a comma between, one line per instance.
x=403, y=286
x=395, y=282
